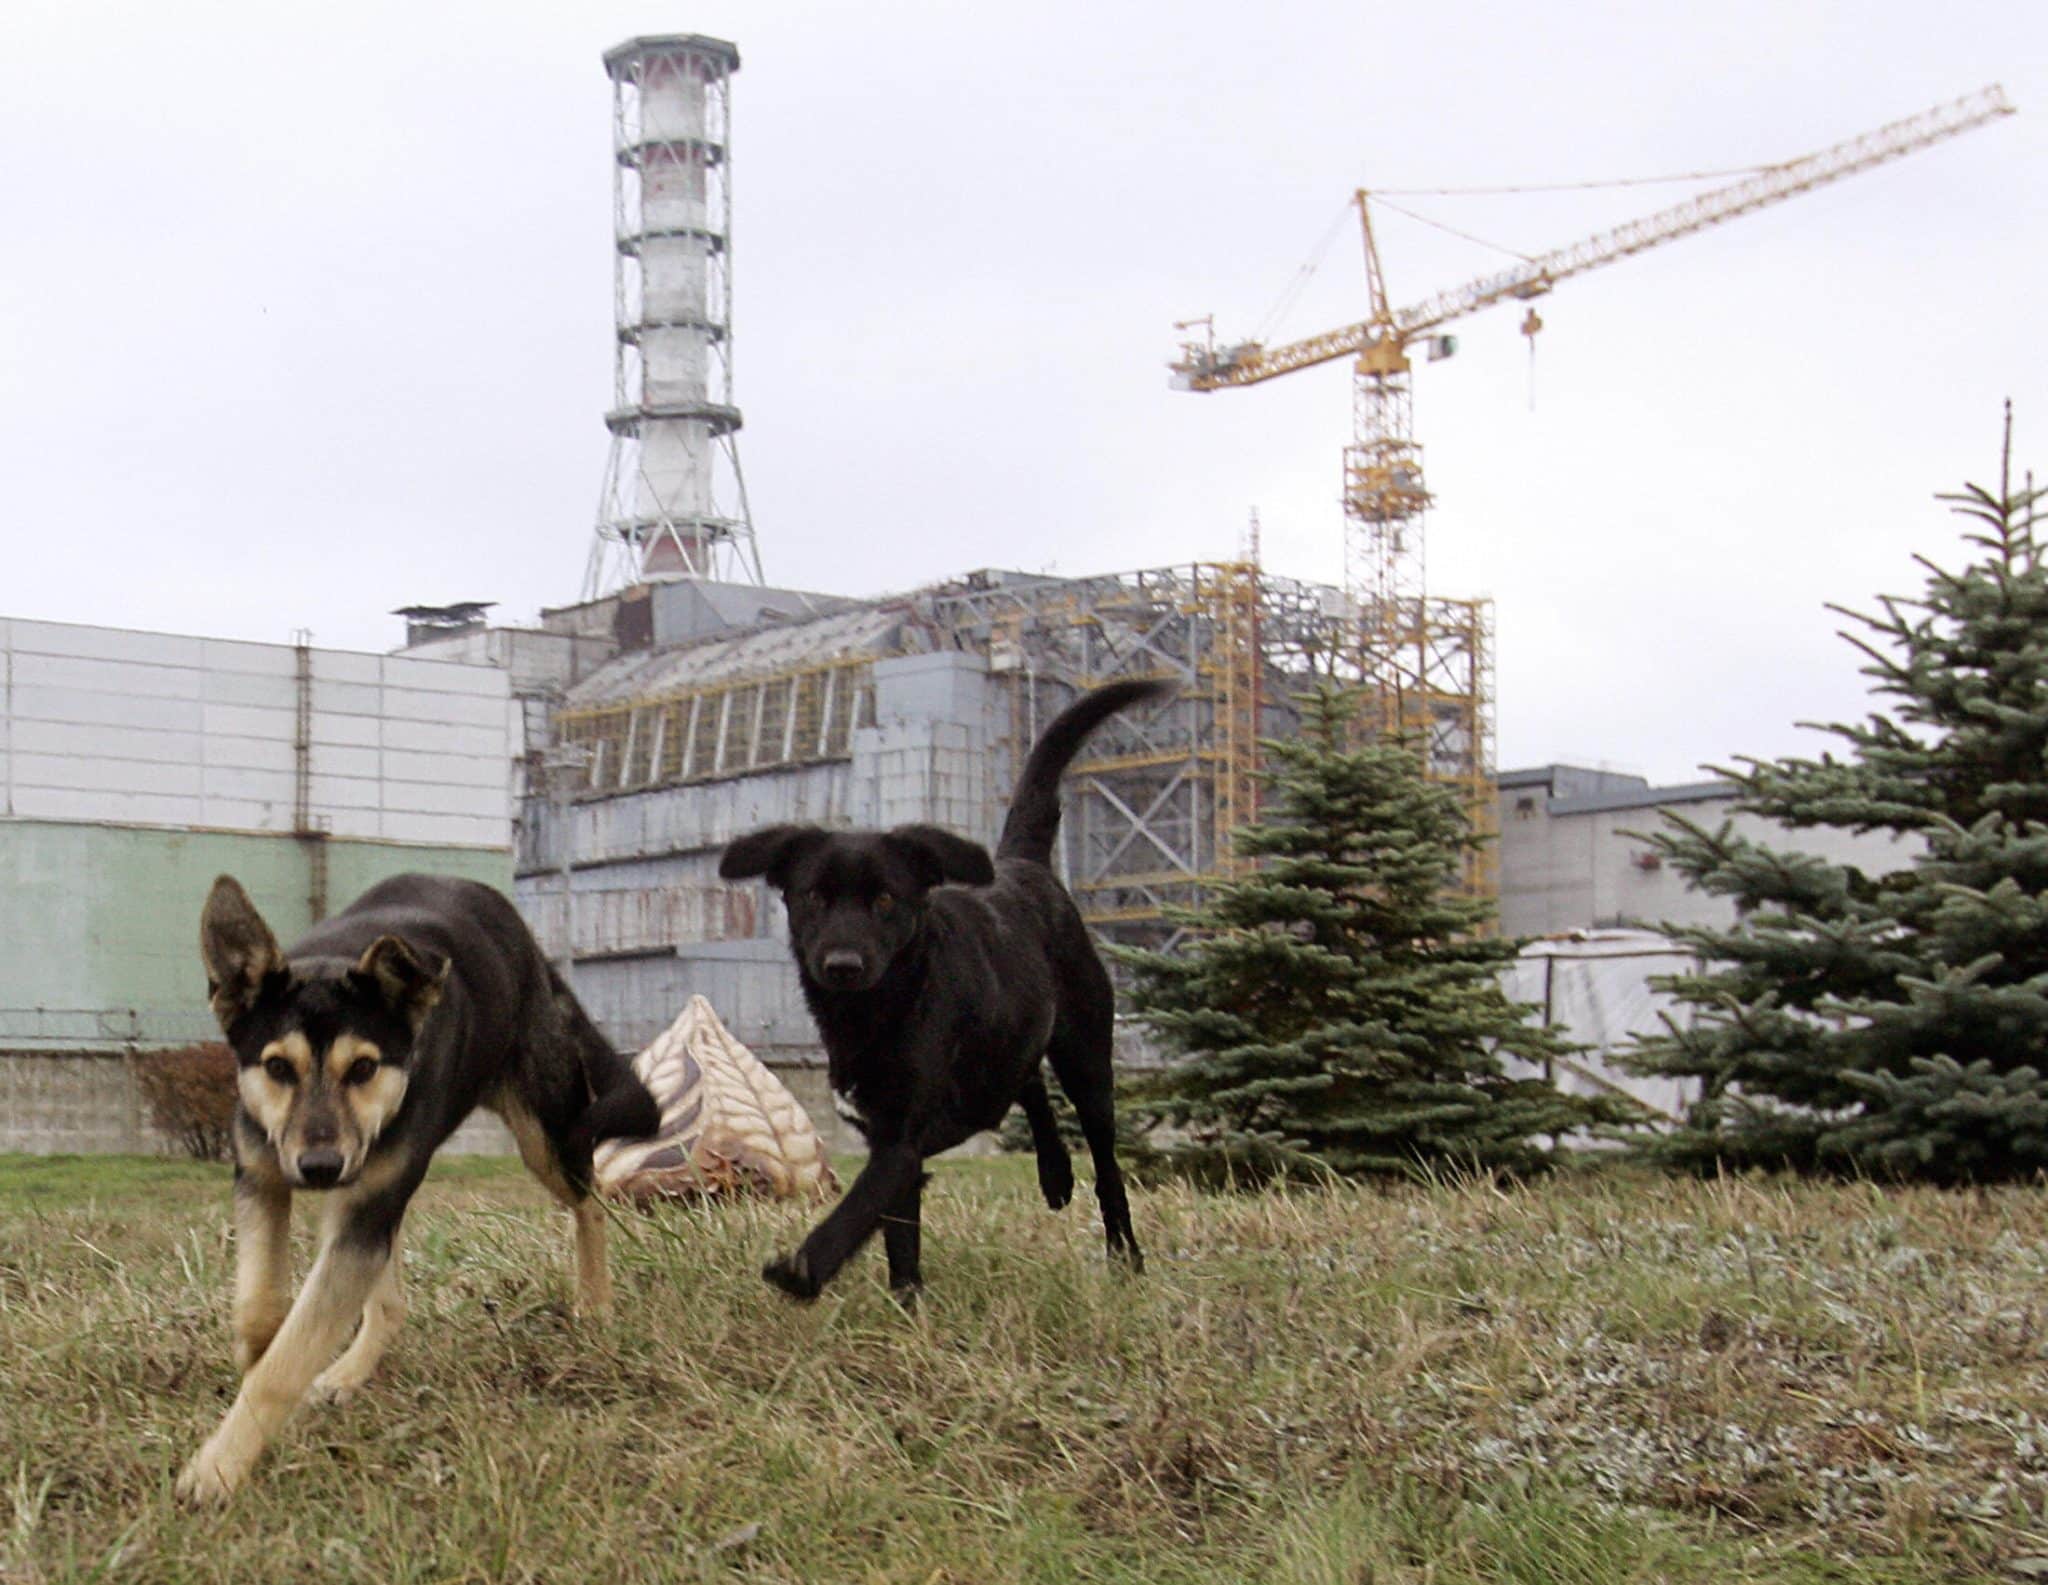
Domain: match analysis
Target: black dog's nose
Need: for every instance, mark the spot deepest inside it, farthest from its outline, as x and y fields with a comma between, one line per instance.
x=843, y=966
x=319, y=1169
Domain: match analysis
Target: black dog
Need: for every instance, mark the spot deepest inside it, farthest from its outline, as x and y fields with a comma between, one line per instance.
x=936, y=1001
x=360, y=1051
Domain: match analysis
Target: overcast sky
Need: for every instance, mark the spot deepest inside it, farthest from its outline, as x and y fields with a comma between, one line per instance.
x=308, y=313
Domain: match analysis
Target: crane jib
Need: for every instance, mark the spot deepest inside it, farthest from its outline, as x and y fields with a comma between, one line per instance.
x=1249, y=363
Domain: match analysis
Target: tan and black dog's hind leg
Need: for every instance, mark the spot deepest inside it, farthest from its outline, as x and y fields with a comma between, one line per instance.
x=593, y=1271
x=263, y=1224
x=383, y=1315
x=350, y=1266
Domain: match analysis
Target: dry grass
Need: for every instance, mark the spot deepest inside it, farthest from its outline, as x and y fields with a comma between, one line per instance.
x=1597, y=1379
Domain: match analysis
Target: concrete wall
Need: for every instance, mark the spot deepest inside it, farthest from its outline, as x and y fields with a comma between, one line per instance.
x=85, y=1103
x=99, y=924
x=163, y=730
x=135, y=767
x=1568, y=861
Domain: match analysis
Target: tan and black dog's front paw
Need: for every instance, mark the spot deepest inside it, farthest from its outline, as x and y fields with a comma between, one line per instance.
x=792, y=1274
x=207, y=1480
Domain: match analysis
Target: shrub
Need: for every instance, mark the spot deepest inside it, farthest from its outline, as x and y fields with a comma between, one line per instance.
x=191, y=1096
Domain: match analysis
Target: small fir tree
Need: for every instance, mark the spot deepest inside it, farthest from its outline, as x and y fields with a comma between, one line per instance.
x=1894, y=1023
x=1336, y=1009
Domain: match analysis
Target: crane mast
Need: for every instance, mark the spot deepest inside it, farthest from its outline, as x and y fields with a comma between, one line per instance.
x=1424, y=661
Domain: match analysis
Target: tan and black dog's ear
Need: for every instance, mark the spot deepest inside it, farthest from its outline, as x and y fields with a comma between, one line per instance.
x=237, y=948
x=938, y=856
x=407, y=979
x=771, y=851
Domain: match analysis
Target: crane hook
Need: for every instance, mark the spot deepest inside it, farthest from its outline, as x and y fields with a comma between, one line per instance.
x=1531, y=323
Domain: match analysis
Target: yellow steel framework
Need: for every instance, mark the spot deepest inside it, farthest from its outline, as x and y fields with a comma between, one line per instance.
x=1151, y=808
x=731, y=727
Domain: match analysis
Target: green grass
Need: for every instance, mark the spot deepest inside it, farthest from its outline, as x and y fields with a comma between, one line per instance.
x=1607, y=1377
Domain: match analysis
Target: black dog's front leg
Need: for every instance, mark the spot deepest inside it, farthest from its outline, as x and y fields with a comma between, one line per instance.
x=903, y=1237
x=891, y=1172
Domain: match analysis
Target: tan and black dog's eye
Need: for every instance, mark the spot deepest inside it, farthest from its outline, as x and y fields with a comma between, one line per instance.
x=884, y=904
x=280, y=1070
x=360, y=1071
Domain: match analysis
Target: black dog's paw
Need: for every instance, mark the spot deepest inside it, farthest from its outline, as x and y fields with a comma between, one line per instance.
x=1056, y=1183
x=792, y=1274
x=907, y=1294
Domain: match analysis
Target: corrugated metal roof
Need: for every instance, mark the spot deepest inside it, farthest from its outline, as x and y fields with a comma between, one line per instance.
x=869, y=630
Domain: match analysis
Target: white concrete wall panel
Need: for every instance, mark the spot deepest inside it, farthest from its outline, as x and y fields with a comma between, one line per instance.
x=441, y=737
x=77, y=772
x=225, y=655
x=336, y=793
x=246, y=688
x=442, y=798
x=100, y=724
x=241, y=720
x=34, y=702
x=453, y=770
x=98, y=675
x=250, y=753
x=34, y=801
x=416, y=704
x=433, y=676
x=71, y=740
x=340, y=665
x=357, y=731
x=346, y=698
x=152, y=650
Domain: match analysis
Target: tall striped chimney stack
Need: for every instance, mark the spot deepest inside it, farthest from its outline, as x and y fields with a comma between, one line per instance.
x=674, y=503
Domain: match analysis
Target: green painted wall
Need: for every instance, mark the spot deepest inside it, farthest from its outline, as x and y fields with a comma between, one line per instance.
x=107, y=917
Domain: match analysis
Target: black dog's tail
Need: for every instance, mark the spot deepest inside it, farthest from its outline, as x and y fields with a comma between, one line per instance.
x=1034, y=818
x=620, y=1107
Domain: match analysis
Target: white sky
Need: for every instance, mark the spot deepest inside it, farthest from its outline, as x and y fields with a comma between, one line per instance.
x=299, y=323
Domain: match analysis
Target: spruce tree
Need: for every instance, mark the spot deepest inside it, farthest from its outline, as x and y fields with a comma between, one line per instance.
x=1891, y=1023
x=1336, y=1008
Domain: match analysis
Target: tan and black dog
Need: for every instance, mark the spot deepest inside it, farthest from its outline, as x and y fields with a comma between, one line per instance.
x=360, y=1050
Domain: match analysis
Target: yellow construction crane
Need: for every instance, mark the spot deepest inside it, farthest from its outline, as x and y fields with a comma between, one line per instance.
x=1425, y=660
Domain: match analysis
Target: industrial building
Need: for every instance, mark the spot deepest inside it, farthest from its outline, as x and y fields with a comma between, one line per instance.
x=1573, y=854
x=135, y=767
x=745, y=706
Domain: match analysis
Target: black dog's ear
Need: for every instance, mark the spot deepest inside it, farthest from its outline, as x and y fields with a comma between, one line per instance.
x=771, y=851
x=409, y=983
x=237, y=948
x=937, y=855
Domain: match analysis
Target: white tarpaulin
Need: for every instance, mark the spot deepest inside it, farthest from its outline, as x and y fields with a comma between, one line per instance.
x=1595, y=985
x=727, y=1123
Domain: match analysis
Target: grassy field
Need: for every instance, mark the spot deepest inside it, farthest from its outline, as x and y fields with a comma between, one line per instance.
x=1601, y=1379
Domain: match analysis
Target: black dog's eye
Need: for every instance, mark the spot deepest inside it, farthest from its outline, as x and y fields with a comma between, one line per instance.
x=280, y=1070
x=884, y=904
x=360, y=1071
x=815, y=899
